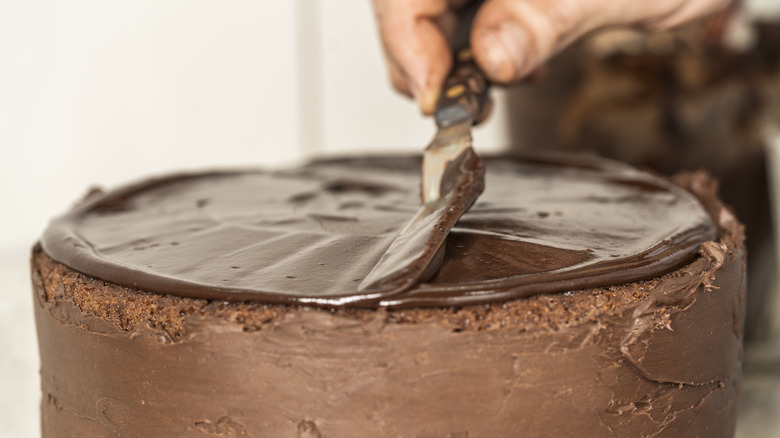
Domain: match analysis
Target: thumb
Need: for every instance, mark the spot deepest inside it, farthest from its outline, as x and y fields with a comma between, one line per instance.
x=512, y=38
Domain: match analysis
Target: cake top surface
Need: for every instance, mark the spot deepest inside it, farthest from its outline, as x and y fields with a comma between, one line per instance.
x=309, y=235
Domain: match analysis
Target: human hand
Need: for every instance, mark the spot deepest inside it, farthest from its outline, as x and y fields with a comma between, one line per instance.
x=510, y=39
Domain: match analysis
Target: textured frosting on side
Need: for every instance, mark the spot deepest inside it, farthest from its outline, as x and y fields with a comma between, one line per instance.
x=545, y=223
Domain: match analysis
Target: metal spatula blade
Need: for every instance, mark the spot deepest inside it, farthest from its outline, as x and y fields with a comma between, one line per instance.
x=452, y=178
x=415, y=254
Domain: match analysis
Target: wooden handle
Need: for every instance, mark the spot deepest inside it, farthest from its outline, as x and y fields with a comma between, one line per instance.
x=465, y=91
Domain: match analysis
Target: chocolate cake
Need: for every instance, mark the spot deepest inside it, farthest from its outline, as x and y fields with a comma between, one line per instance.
x=578, y=297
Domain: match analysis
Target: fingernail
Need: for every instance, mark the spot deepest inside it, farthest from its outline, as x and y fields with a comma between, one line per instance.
x=427, y=101
x=426, y=98
x=506, y=52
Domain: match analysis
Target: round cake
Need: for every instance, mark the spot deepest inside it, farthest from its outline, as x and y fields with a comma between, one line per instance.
x=577, y=297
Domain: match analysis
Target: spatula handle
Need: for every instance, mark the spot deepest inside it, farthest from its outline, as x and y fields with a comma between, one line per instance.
x=465, y=91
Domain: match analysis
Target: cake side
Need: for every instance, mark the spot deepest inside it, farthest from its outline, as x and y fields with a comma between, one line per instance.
x=658, y=357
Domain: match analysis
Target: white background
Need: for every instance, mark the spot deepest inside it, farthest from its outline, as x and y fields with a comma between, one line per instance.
x=104, y=92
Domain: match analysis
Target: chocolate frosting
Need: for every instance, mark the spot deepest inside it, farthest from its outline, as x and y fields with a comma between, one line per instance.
x=656, y=358
x=545, y=224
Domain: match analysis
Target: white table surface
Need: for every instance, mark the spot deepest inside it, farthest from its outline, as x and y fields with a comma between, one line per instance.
x=19, y=385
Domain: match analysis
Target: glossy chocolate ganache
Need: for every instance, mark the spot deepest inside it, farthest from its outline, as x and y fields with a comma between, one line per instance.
x=544, y=224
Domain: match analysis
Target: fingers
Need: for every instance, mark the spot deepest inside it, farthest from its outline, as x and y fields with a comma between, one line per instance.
x=661, y=14
x=513, y=38
x=416, y=47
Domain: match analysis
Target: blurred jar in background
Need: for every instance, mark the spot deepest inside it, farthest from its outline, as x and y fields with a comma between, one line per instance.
x=699, y=97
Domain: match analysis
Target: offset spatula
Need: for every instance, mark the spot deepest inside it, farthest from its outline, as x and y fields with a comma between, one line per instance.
x=452, y=177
